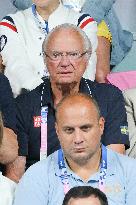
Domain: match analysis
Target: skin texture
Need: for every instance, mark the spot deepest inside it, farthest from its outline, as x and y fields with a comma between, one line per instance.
x=1, y=65
x=84, y=201
x=8, y=146
x=103, y=59
x=45, y=8
x=65, y=71
x=79, y=131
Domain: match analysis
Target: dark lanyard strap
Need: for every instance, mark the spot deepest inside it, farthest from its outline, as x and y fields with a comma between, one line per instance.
x=64, y=174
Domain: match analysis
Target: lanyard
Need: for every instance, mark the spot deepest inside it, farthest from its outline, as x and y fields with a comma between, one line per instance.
x=64, y=174
x=44, y=115
x=43, y=148
x=103, y=169
x=42, y=26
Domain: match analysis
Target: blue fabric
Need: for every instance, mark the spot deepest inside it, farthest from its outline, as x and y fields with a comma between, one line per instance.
x=41, y=184
x=121, y=39
x=22, y=4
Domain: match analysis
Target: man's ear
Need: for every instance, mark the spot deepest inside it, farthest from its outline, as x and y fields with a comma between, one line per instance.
x=101, y=124
x=56, y=128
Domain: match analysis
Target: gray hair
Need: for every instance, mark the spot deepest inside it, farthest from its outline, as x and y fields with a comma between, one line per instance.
x=68, y=26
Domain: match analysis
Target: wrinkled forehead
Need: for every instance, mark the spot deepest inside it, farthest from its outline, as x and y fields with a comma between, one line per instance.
x=65, y=39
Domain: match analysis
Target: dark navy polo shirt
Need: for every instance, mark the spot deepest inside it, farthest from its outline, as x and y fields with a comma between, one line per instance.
x=28, y=106
x=7, y=104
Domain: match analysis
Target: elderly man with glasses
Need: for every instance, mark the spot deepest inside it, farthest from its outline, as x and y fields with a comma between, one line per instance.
x=66, y=52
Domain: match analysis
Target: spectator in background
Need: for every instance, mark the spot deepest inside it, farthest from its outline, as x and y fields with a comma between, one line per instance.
x=113, y=42
x=21, y=5
x=82, y=161
x=25, y=32
x=6, y=7
x=130, y=103
x=66, y=59
x=85, y=195
x=7, y=186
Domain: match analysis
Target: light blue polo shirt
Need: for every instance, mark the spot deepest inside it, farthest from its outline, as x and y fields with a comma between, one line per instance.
x=41, y=184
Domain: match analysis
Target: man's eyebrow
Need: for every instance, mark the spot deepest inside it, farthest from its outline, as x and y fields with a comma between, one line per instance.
x=86, y=126
x=67, y=126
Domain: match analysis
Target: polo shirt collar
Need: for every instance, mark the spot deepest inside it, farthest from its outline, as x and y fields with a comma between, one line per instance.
x=83, y=88
x=111, y=168
x=48, y=95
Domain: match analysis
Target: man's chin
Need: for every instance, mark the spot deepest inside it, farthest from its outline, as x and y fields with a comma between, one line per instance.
x=66, y=83
x=80, y=158
x=65, y=80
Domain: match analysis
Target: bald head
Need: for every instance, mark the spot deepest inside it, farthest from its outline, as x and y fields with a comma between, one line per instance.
x=77, y=101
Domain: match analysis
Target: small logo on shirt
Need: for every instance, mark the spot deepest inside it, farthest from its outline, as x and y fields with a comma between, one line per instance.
x=37, y=121
x=124, y=130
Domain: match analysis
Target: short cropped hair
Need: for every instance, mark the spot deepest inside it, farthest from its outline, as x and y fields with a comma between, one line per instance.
x=85, y=192
x=1, y=128
x=82, y=95
x=86, y=41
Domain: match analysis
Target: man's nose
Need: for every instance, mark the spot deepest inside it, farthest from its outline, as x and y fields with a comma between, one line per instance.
x=78, y=137
x=64, y=61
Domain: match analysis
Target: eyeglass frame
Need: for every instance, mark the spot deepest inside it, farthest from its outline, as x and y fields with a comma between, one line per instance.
x=80, y=55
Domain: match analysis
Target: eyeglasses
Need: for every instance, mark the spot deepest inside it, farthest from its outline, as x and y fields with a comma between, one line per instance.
x=72, y=55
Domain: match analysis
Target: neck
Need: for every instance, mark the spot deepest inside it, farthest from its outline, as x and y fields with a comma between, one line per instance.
x=61, y=90
x=46, y=11
x=87, y=169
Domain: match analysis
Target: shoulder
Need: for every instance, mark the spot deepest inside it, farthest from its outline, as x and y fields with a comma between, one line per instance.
x=11, y=21
x=44, y=168
x=131, y=93
x=105, y=90
x=30, y=96
x=5, y=88
x=123, y=163
x=84, y=20
x=3, y=79
x=20, y=13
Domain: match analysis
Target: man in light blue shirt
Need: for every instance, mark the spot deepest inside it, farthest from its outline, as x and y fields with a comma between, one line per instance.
x=83, y=161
